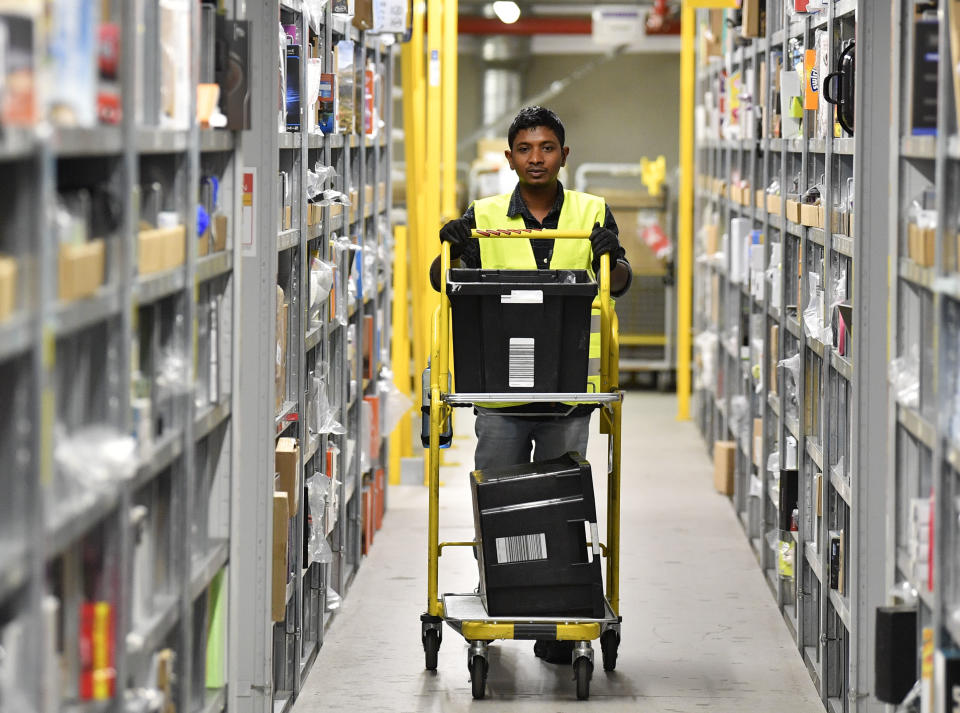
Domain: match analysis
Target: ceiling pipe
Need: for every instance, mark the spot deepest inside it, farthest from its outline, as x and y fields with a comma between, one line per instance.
x=475, y=25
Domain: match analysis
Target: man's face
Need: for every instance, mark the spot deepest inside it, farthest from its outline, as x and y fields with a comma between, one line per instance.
x=537, y=156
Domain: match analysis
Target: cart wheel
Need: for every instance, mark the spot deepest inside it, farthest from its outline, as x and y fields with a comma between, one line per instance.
x=478, y=676
x=431, y=646
x=582, y=671
x=609, y=643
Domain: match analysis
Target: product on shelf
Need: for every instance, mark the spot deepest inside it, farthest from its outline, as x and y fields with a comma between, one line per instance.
x=8, y=286
x=281, y=542
x=926, y=63
x=345, y=68
x=232, y=72
x=96, y=646
x=281, y=351
x=175, y=85
x=292, y=101
x=724, y=459
x=72, y=48
x=161, y=249
x=287, y=465
x=19, y=64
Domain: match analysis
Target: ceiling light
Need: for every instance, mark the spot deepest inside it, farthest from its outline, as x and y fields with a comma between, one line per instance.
x=507, y=10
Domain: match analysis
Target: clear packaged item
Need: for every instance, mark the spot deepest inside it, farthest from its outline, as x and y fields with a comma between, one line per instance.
x=321, y=282
x=904, y=376
x=318, y=493
x=791, y=367
x=396, y=404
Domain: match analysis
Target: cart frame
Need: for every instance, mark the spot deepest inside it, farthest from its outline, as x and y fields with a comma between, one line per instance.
x=664, y=367
x=464, y=612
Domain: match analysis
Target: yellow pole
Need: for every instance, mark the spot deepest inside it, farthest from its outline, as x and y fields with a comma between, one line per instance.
x=449, y=92
x=685, y=261
x=400, y=348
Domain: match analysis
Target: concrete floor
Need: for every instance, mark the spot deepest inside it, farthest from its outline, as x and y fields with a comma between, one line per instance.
x=700, y=628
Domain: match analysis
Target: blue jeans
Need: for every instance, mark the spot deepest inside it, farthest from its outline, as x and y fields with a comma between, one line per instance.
x=508, y=440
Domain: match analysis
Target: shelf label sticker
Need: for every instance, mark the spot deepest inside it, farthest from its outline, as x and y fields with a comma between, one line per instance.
x=522, y=297
x=248, y=214
x=521, y=548
x=521, y=362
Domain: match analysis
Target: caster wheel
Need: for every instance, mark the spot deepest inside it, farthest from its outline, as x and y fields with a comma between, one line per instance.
x=478, y=676
x=664, y=381
x=609, y=643
x=431, y=646
x=582, y=672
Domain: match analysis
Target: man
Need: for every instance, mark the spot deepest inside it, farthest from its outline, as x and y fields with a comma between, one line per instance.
x=536, y=152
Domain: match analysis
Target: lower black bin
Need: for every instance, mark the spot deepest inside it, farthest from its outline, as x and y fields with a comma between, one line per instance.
x=531, y=523
x=521, y=330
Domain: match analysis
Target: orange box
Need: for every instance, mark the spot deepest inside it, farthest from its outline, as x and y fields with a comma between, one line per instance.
x=367, y=505
x=81, y=269
x=374, y=402
x=380, y=485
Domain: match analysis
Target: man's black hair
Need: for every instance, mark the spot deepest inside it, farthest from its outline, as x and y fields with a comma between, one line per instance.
x=531, y=117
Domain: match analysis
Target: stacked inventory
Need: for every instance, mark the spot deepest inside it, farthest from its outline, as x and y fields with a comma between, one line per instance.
x=316, y=280
x=775, y=372
x=117, y=369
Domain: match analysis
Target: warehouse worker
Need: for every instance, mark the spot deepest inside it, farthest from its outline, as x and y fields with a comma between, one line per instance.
x=539, y=201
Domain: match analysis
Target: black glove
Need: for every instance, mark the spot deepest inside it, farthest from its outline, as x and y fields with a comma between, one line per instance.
x=457, y=233
x=603, y=241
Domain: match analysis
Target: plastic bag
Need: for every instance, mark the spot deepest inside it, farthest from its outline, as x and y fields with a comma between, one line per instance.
x=318, y=492
x=173, y=373
x=317, y=178
x=773, y=463
x=395, y=404
x=324, y=415
x=813, y=323
x=791, y=366
x=904, y=376
x=321, y=282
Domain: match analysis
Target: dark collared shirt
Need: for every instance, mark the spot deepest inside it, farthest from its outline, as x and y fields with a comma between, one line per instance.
x=542, y=248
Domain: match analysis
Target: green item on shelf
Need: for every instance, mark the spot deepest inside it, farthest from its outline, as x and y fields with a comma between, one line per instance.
x=796, y=108
x=217, y=632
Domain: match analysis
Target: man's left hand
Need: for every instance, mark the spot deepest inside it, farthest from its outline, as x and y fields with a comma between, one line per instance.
x=603, y=241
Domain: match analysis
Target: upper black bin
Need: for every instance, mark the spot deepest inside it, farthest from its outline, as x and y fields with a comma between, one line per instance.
x=521, y=330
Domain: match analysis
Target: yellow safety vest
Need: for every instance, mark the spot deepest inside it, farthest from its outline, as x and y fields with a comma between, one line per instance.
x=580, y=211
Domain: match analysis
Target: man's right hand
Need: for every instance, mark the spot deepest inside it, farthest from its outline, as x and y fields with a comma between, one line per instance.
x=457, y=233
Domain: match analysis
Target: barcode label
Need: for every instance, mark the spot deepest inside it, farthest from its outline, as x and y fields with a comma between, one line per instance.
x=522, y=297
x=521, y=362
x=522, y=548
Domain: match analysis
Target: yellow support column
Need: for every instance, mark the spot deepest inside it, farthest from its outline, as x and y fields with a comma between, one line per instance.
x=449, y=93
x=688, y=89
x=400, y=349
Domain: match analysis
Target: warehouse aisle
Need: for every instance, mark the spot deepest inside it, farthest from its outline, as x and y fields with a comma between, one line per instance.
x=700, y=629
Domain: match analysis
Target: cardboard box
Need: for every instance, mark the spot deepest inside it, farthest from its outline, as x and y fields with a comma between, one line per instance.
x=363, y=14
x=757, y=442
x=379, y=499
x=724, y=458
x=382, y=194
x=367, y=520
x=203, y=244
x=160, y=249
x=354, y=200
x=759, y=199
x=810, y=215
x=774, y=204
x=838, y=222
x=793, y=211
x=220, y=227
x=751, y=19
x=281, y=541
x=746, y=195
x=8, y=286
x=711, y=239
x=921, y=245
x=287, y=464
x=81, y=269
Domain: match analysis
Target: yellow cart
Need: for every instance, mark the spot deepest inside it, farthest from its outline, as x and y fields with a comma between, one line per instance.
x=465, y=613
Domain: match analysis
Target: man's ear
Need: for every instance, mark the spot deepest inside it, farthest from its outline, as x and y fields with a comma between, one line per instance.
x=509, y=154
x=566, y=152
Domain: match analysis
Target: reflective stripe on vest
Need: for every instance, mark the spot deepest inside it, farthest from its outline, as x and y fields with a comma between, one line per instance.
x=579, y=212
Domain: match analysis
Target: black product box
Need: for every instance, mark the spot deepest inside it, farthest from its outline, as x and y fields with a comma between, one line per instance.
x=926, y=61
x=293, y=88
x=531, y=522
x=789, y=493
x=521, y=330
x=895, y=659
x=232, y=71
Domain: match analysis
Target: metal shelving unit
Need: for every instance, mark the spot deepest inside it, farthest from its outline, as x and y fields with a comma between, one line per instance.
x=743, y=332
x=322, y=353
x=141, y=529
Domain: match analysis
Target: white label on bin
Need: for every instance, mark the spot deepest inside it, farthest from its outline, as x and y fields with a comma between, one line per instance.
x=595, y=536
x=522, y=297
x=522, y=548
x=521, y=362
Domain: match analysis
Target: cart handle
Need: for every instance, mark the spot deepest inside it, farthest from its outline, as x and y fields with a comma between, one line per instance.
x=454, y=544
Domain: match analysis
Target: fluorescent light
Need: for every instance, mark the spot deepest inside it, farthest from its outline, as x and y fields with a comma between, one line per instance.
x=507, y=10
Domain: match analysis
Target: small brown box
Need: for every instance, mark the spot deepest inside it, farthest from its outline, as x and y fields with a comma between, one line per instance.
x=773, y=204
x=760, y=199
x=957, y=241
x=161, y=249
x=710, y=239
x=751, y=19
x=287, y=464
x=927, y=247
x=382, y=193
x=746, y=195
x=220, y=225
x=8, y=286
x=724, y=458
x=281, y=541
x=838, y=222
x=810, y=215
x=757, y=441
x=287, y=217
x=793, y=211
x=203, y=244
x=81, y=269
